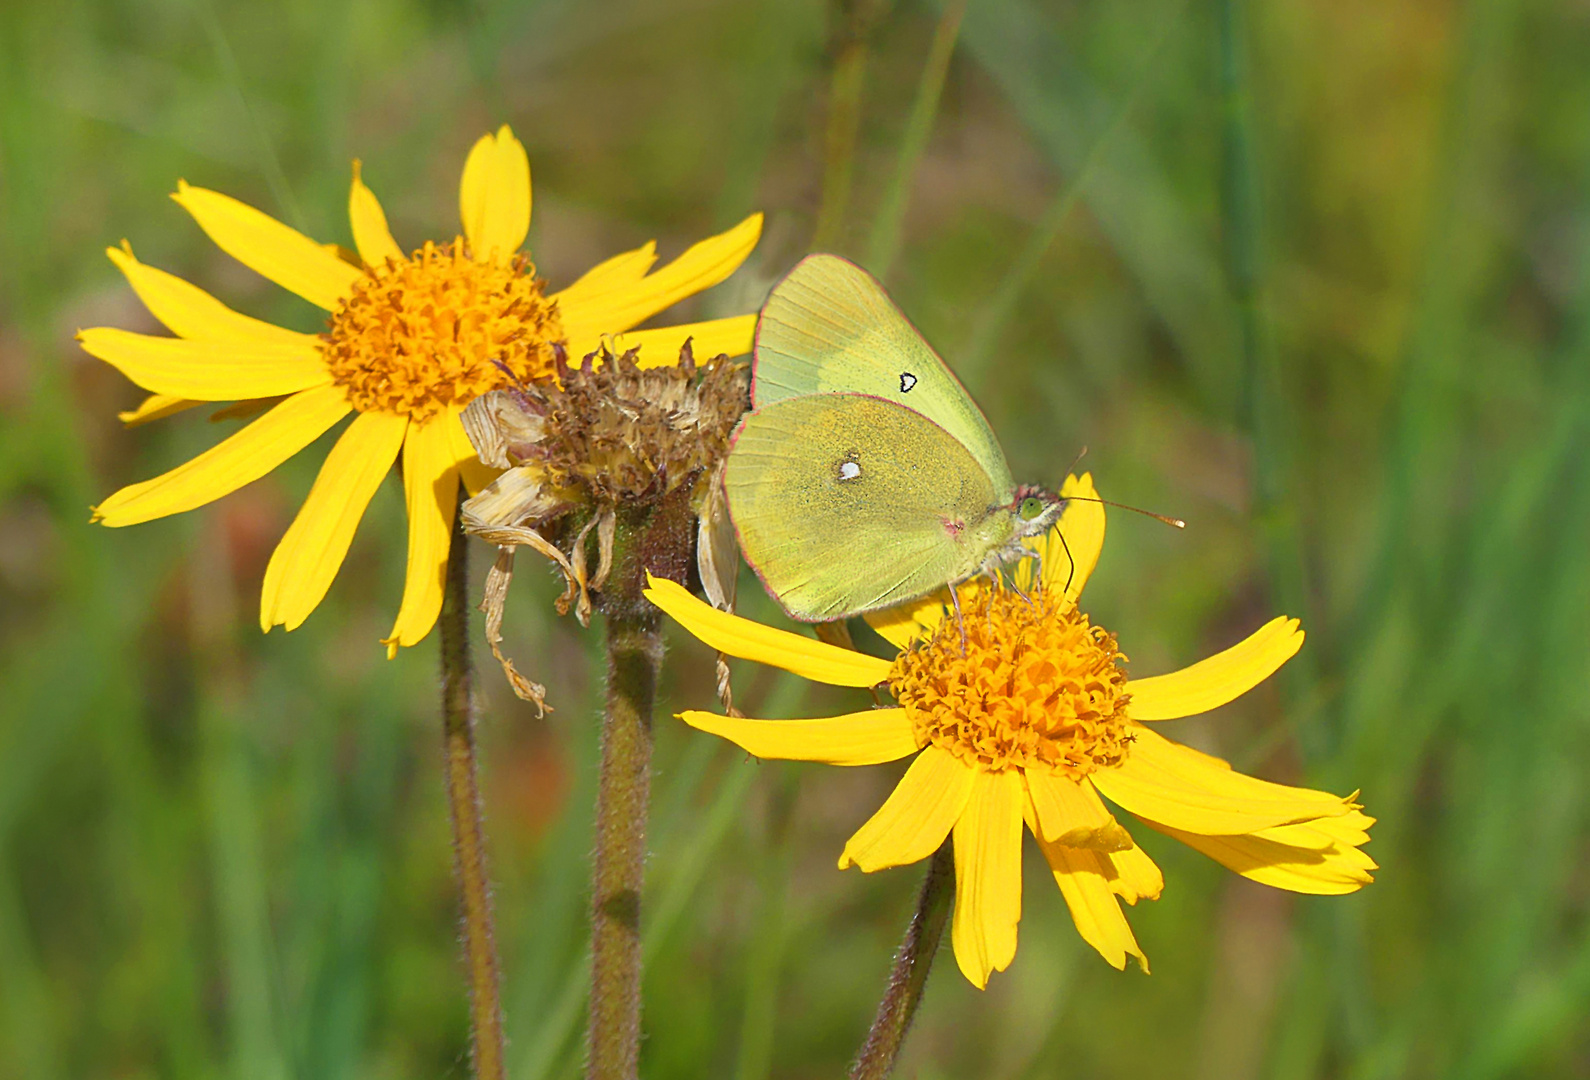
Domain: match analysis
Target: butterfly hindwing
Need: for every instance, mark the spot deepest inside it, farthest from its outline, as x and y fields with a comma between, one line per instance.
x=846, y=503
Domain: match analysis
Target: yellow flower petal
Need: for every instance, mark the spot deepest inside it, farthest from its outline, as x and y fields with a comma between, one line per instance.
x=1070, y=812
x=864, y=738
x=188, y=311
x=370, y=233
x=1337, y=839
x=988, y=875
x=1223, y=677
x=619, y=272
x=241, y=459
x=902, y=625
x=309, y=556
x=1135, y=875
x=1162, y=782
x=494, y=196
x=269, y=248
x=1085, y=878
x=1349, y=830
x=208, y=370
x=1070, y=550
x=916, y=817
x=430, y=486
x=156, y=407
x=589, y=313
x=660, y=348
x=752, y=641
x=1338, y=870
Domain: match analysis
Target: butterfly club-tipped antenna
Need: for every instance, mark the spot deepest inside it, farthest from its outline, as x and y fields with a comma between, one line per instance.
x=1173, y=522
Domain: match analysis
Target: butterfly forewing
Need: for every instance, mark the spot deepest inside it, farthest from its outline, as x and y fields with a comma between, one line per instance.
x=829, y=327
x=847, y=503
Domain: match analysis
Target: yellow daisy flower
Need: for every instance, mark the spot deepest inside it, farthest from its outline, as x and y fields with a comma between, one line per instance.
x=411, y=340
x=1030, y=721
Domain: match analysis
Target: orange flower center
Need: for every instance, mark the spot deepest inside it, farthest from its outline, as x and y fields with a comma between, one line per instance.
x=1035, y=685
x=439, y=329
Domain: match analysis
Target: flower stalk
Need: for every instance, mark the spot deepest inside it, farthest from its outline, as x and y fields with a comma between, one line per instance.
x=654, y=536
x=908, y=976
x=611, y=472
x=634, y=658
x=469, y=830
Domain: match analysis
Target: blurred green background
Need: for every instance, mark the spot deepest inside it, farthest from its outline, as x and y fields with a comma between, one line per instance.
x=1312, y=275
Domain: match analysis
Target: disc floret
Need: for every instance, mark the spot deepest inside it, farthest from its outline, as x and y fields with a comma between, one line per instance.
x=1034, y=685
x=415, y=336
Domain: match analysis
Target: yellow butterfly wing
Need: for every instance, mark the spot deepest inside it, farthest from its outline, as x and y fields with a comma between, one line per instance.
x=829, y=327
x=845, y=503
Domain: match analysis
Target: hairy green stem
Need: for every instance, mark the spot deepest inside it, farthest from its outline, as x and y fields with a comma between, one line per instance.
x=469, y=829
x=912, y=962
x=634, y=658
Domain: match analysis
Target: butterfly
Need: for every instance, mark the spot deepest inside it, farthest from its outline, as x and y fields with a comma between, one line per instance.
x=865, y=476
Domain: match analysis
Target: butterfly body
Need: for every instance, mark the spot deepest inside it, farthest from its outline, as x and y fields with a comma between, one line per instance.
x=865, y=476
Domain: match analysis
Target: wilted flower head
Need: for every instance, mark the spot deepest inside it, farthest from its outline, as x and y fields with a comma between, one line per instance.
x=619, y=432
x=630, y=453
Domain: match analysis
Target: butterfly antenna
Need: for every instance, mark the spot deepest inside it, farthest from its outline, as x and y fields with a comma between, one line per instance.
x=1072, y=559
x=1174, y=522
x=1082, y=453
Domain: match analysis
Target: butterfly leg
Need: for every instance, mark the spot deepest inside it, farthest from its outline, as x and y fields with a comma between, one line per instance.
x=1017, y=589
x=960, y=621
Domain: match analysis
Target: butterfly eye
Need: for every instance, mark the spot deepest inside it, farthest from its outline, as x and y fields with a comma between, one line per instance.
x=1030, y=508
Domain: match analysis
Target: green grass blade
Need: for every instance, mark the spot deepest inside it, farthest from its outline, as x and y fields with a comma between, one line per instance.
x=885, y=244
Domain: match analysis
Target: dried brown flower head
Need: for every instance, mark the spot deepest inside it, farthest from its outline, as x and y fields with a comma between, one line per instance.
x=628, y=453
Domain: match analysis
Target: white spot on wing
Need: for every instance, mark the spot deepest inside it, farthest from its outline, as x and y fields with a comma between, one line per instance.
x=907, y=381
x=849, y=470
